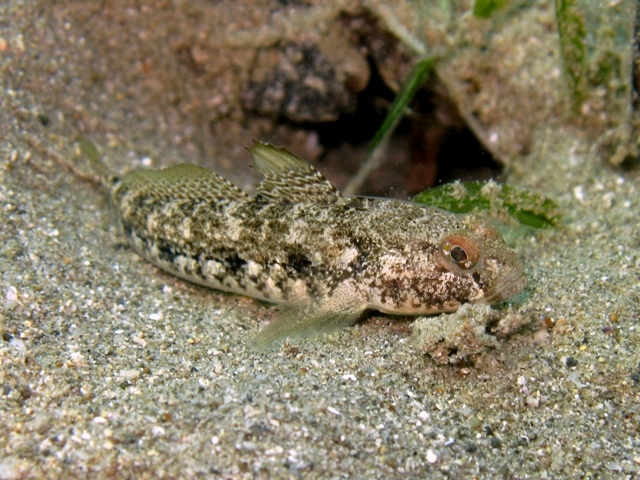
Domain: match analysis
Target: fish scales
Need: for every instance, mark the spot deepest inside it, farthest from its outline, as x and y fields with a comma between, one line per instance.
x=297, y=242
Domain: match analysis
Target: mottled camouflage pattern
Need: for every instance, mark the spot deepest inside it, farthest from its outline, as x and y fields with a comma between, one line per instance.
x=298, y=242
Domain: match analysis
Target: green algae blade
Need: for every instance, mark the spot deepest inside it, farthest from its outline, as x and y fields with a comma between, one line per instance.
x=502, y=202
x=408, y=90
x=573, y=34
x=486, y=8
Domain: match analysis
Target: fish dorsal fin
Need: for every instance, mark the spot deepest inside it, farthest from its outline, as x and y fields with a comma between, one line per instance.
x=183, y=182
x=290, y=179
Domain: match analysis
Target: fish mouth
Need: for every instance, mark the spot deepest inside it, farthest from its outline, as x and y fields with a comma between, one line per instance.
x=507, y=287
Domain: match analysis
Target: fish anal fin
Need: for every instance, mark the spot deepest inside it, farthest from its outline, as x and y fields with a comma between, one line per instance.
x=311, y=319
x=288, y=178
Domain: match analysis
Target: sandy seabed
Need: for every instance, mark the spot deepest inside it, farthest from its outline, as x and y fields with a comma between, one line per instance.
x=112, y=368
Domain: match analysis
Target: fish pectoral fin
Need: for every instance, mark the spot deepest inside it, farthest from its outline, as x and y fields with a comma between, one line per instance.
x=288, y=178
x=309, y=319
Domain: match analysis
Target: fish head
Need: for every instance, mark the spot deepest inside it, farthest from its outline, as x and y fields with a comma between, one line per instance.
x=481, y=261
x=467, y=261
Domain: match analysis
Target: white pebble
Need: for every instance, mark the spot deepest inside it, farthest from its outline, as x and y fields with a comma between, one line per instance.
x=130, y=374
x=139, y=341
x=578, y=193
x=432, y=457
x=533, y=402
x=12, y=294
x=277, y=450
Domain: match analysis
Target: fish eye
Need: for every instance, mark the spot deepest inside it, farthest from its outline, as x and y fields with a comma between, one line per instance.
x=460, y=250
x=458, y=255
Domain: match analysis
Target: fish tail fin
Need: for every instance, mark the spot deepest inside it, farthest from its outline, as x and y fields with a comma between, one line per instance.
x=88, y=148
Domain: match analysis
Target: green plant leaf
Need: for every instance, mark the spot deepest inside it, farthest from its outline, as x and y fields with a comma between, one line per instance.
x=486, y=8
x=499, y=201
x=573, y=33
x=408, y=90
x=374, y=153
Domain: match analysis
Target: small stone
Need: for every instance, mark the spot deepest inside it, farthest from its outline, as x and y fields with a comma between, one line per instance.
x=533, y=402
x=613, y=466
x=541, y=336
x=78, y=359
x=12, y=294
x=130, y=374
x=141, y=342
x=495, y=443
x=40, y=424
x=249, y=446
x=432, y=457
x=277, y=450
x=474, y=423
x=570, y=362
